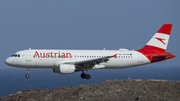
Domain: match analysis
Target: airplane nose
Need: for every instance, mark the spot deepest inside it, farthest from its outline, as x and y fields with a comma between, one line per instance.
x=7, y=61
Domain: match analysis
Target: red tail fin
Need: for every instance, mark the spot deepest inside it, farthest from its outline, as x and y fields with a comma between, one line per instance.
x=155, y=49
x=159, y=42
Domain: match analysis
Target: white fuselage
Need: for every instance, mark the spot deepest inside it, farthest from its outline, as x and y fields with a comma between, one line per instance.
x=37, y=58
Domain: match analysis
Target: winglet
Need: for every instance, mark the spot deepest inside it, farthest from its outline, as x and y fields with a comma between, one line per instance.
x=115, y=55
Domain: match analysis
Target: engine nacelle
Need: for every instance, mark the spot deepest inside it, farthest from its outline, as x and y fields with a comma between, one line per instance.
x=66, y=69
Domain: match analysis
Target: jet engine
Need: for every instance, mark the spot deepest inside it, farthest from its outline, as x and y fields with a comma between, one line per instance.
x=66, y=69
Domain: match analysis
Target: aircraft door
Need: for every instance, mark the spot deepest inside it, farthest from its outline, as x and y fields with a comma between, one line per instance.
x=140, y=58
x=28, y=56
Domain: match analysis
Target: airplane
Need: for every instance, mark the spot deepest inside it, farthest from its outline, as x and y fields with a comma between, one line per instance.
x=71, y=61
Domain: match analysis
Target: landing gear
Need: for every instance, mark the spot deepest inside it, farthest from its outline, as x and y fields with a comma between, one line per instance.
x=27, y=75
x=88, y=76
x=85, y=76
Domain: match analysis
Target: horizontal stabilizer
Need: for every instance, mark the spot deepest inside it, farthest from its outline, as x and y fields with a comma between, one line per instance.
x=162, y=55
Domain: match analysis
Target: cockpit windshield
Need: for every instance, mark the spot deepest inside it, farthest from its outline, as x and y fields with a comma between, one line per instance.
x=15, y=55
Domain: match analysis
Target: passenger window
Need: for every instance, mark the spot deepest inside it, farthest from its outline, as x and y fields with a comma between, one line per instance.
x=18, y=55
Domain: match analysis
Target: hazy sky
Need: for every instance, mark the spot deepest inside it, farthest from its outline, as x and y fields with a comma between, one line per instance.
x=86, y=24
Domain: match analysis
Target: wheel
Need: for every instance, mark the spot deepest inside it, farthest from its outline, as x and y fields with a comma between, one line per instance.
x=83, y=75
x=27, y=76
x=88, y=76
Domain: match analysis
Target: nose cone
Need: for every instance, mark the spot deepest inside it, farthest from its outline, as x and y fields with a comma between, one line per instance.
x=8, y=61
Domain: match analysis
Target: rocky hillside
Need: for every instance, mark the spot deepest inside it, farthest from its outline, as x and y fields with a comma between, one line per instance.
x=111, y=90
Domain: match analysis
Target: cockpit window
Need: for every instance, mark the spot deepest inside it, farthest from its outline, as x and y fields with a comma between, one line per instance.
x=15, y=55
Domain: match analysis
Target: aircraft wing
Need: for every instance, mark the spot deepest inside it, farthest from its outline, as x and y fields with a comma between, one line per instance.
x=91, y=62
